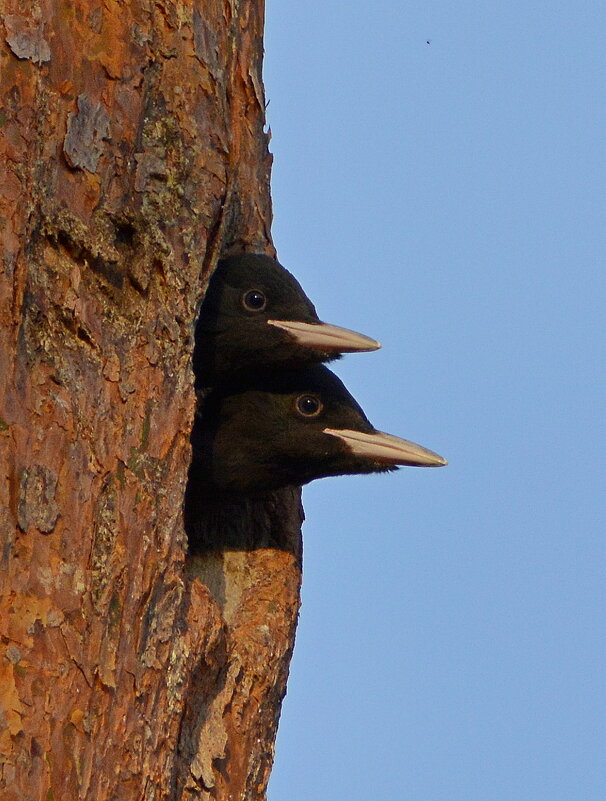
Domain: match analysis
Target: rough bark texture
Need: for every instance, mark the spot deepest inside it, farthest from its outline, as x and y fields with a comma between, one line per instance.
x=132, y=155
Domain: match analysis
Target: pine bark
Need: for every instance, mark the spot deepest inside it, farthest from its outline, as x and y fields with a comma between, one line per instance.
x=132, y=154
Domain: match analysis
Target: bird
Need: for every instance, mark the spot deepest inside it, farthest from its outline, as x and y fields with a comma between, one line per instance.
x=275, y=428
x=255, y=313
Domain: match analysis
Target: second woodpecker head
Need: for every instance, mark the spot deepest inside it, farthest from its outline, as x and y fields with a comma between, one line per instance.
x=284, y=428
x=255, y=314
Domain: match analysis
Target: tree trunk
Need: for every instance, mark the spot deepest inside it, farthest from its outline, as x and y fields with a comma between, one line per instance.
x=132, y=155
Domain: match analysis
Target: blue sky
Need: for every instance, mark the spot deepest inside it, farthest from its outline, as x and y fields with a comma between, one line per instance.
x=449, y=200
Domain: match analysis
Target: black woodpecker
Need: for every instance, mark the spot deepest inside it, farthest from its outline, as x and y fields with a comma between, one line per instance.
x=256, y=314
x=274, y=428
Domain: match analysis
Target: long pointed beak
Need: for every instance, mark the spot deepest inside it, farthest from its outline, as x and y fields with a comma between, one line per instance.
x=386, y=448
x=328, y=338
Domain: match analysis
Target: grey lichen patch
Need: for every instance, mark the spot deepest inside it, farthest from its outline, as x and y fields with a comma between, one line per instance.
x=139, y=36
x=84, y=243
x=26, y=38
x=136, y=462
x=86, y=130
x=36, y=506
x=95, y=19
x=13, y=654
x=145, y=467
x=164, y=162
x=103, y=571
x=92, y=247
x=159, y=624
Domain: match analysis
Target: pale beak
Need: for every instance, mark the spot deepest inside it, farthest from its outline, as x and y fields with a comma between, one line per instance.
x=327, y=338
x=386, y=448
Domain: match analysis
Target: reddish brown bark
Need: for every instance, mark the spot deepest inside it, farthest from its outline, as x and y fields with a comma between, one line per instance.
x=132, y=155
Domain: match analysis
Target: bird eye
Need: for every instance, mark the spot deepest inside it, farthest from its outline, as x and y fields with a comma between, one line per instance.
x=254, y=300
x=309, y=405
